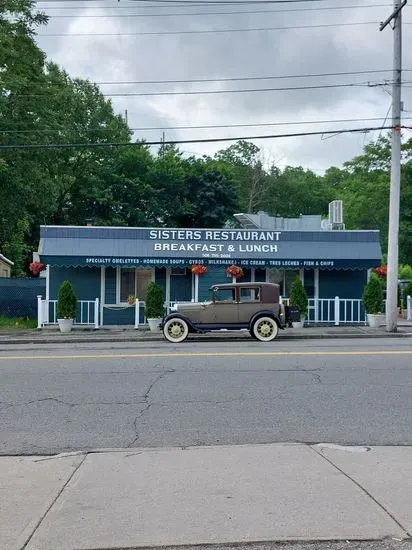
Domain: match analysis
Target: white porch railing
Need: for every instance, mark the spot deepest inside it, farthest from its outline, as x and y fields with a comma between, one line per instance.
x=336, y=311
x=87, y=312
x=409, y=308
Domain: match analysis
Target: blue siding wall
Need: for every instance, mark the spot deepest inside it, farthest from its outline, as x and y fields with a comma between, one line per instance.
x=110, y=286
x=309, y=282
x=181, y=287
x=345, y=284
x=123, y=316
x=85, y=281
x=214, y=275
x=160, y=278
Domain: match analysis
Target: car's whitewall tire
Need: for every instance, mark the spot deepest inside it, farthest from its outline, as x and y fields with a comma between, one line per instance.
x=176, y=330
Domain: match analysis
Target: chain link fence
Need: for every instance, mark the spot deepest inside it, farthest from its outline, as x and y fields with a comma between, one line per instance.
x=18, y=297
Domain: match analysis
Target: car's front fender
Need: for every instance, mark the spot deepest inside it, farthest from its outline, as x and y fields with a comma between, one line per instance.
x=177, y=315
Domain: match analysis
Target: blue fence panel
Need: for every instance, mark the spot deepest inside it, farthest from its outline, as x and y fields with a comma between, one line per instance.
x=18, y=297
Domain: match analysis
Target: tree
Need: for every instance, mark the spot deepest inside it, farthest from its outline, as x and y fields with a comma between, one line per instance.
x=66, y=301
x=298, y=297
x=373, y=296
x=246, y=163
x=208, y=197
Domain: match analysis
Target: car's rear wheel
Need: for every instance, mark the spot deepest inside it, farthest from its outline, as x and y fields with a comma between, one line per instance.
x=265, y=329
x=176, y=330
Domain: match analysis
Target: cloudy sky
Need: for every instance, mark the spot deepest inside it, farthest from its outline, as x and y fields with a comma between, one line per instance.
x=103, y=41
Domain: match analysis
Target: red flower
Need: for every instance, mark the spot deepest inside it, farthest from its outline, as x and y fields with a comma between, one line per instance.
x=36, y=267
x=234, y=271
x=381, y=271
x=199, y=269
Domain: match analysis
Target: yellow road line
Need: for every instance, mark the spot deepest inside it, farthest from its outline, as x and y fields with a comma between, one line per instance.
x=209, y=354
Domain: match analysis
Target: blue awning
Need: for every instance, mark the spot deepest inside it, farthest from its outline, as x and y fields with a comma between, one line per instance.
x=148, y=247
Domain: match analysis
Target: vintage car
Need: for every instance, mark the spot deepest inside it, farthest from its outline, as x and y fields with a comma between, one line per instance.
x=251, y=306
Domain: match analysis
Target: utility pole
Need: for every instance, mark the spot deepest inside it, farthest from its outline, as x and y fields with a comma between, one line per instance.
x=394, y=197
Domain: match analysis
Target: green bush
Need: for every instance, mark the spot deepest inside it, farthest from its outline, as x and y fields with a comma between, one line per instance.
x=373, y=296
x=66, y=301
x=407, y=291
x=405, y=272
x=298, y=297
x=154, y=301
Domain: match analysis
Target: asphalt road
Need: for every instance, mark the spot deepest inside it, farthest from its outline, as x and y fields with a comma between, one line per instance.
x=68, y=398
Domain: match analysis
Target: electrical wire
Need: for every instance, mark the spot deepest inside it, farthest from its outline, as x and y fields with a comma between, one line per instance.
x=208, y=31
x=194, y=2
x=188, y=141
x=198, y=127
x=242, y=78
x=185, y=14
x=236, y=91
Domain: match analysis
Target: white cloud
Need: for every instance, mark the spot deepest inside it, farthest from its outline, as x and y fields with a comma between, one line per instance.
x=191, y=56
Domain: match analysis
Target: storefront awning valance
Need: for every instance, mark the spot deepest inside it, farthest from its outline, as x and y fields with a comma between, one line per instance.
x=131, y=247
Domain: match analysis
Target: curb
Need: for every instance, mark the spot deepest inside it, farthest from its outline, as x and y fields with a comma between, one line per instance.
x=92, y=340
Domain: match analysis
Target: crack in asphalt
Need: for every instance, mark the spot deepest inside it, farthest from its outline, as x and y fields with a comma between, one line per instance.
x=68, y=404
x=148, y=405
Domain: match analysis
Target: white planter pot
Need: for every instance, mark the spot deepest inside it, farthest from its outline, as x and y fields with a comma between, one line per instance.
x=374, y=321
x=65, y=325
x=298, y=324
x=154, y=324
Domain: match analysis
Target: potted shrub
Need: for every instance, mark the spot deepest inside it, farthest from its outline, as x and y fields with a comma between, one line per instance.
x=373, y=301
x=407, y=291
x=66, y=306
x=154, y=308
x=298, y=297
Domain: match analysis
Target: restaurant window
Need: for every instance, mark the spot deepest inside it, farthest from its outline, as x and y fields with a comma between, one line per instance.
x=134, y=282
x=284, y=278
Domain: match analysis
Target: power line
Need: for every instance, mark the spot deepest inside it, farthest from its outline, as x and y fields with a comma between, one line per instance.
x=242, y=78
x=209, y=31
x=185, y=14
x=236, y=91
x=198, y=127
x=195, y=2
x=187, y=141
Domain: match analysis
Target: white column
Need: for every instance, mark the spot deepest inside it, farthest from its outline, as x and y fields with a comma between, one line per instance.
x=46, y=312
x=196, y=287
x=102, y=292
x=316, y=296
x=96, y=313
x=168, y=273
x=39, y=311
x=136, y=313
x=337, y=311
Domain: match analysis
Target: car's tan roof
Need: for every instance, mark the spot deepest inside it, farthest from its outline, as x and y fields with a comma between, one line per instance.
x=244, y=285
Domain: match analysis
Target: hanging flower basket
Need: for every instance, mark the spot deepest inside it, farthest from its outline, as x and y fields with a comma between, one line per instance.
x=199, y=269
x=36, y=267
x=381, y=271
x=131, y=300
x=234, y=271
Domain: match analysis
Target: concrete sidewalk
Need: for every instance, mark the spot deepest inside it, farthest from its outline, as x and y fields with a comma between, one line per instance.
x=205, y=495
x=129, y=334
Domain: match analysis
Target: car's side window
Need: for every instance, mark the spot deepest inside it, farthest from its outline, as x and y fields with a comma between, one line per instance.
x=224, y=295
x=250, y=294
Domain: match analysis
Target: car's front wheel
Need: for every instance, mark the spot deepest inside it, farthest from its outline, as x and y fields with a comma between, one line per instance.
x=265, y=329
x=176, y=330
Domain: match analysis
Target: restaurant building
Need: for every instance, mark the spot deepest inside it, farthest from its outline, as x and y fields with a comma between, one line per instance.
x=113, y=263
